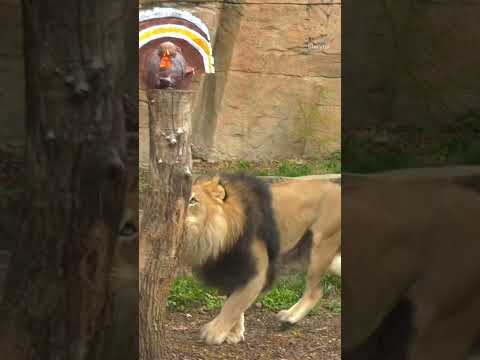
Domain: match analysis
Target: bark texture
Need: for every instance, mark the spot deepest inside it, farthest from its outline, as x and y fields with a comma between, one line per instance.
x=163, y=202
x=57, y=295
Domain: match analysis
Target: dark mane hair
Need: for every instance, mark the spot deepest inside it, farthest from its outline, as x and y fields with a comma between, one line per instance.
x=236, y=266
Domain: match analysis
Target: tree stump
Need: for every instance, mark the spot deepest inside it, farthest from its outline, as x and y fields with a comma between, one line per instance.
x=163, y=204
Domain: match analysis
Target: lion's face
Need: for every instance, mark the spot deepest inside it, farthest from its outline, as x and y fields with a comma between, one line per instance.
x=206, y=222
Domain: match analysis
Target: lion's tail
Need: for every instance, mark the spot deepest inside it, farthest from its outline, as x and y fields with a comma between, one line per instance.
x=335, y=266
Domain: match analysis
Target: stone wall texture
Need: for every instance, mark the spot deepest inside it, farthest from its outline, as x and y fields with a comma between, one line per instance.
x=276, y=90
x=417, y=61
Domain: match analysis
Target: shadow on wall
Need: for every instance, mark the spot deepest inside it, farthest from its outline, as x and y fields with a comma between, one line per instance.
x=265, y=60
x=212, y=87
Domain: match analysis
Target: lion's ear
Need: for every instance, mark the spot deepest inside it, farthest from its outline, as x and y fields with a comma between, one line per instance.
x=218, y=192
x=216, y=189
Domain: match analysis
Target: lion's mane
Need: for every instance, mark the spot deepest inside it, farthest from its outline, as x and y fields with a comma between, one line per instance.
x=226, y=241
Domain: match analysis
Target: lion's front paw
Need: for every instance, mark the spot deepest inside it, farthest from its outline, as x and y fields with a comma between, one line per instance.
x=234, y=338
x=286, y=317
x=237, y=334
x=213, y=334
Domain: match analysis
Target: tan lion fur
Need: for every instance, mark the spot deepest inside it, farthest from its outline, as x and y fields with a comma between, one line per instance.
x=299, y=206
x=213, y=226
x=418, y=235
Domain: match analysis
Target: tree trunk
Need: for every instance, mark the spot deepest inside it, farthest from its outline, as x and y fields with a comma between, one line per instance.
x=56, y=302
x=163, y=202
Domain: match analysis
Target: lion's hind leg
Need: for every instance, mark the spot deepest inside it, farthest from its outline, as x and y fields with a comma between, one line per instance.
x=322, y=253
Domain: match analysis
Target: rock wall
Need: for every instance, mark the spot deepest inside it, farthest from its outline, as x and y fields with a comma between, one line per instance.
x=418, y=62
x=276, y=91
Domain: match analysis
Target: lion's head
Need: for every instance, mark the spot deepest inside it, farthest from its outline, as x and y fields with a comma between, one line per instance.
x=214, y=220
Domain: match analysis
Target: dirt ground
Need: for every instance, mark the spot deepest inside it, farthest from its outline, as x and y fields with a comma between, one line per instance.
x=315, y=337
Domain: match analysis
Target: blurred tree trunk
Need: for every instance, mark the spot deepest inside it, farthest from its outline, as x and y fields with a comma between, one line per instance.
x=163, y=205
x=57, y=295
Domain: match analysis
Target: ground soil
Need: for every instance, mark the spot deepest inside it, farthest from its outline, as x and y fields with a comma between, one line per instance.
x=315, y=337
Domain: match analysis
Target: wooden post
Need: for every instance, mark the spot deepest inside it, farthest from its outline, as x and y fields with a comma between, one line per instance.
x=163, y=203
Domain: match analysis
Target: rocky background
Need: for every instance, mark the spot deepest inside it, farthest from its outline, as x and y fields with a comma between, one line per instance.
x=276, y=91
x=412, y=97
x=411, y=56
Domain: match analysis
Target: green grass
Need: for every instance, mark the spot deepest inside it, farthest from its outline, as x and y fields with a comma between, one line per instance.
x=288, y=291
x=381, y=150
x=187, y=293
x=364, y=156
x=332, y=164
x=290, y=168
x=283, y=168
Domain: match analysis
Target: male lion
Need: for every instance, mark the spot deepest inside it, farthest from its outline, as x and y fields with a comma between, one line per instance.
x=238, y=226
x=411, y=285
